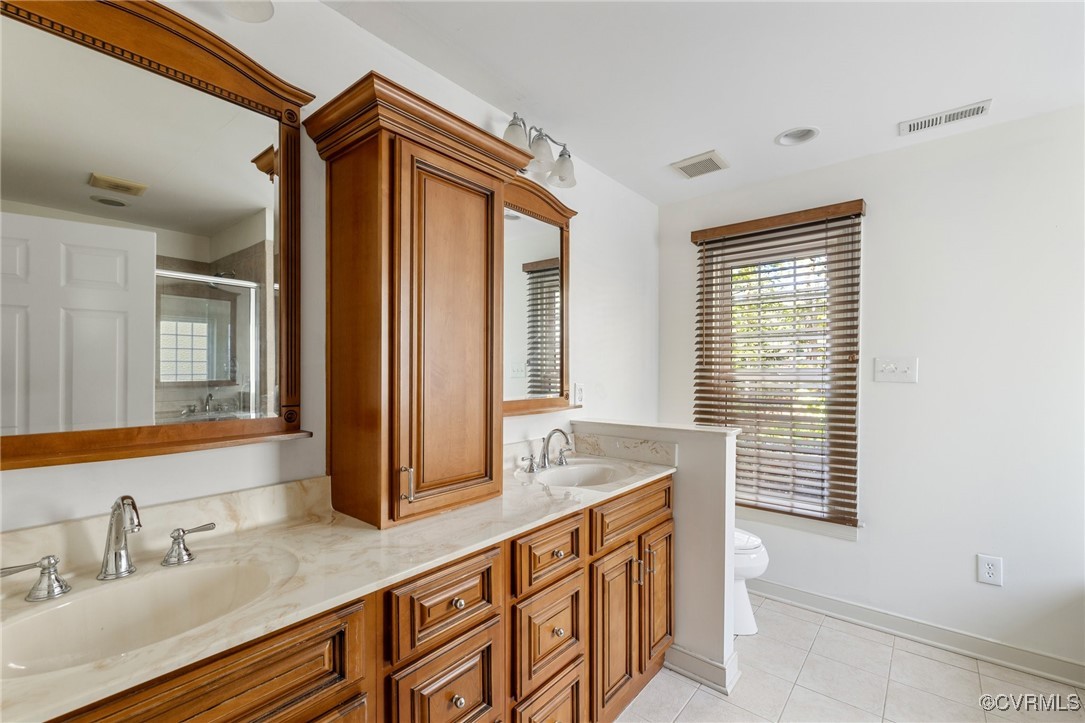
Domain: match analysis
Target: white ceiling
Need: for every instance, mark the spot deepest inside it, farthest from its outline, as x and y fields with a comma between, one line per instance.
x=68, y=111
x=632, y=87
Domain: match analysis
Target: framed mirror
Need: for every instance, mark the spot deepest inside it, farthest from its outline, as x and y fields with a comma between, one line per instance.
x=535, y=300
x=150, y=237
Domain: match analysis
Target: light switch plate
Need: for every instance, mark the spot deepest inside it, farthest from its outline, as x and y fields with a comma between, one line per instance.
x=900, y=369
x=578, y=393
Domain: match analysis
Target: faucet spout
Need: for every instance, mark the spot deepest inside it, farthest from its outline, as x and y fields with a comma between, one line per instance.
x=544, y=457
x=123, y=518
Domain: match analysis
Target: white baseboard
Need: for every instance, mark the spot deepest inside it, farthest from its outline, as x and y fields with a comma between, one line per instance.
x=956, y=641
x=716, y=675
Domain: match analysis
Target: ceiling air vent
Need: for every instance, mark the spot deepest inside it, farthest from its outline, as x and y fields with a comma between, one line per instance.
x=941, y=119
x=117, y=185
x=700, y=164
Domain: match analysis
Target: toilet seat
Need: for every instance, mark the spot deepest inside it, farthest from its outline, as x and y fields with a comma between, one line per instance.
x=746, y=541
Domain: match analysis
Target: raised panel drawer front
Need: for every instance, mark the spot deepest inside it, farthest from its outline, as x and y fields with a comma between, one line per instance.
x=440, y=604
x=355, y=710
x=563, y=700
x=463, y=681
x=612, y=521
x=550, y=631
x=295, y=675
x=545, y=555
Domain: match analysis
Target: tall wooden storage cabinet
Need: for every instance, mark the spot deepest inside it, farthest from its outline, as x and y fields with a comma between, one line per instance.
x=414, y=263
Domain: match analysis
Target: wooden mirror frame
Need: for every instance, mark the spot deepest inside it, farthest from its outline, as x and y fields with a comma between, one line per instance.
x=531, y=199
x=163, y=41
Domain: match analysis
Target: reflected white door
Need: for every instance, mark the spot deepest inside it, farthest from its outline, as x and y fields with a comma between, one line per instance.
x=77, y=327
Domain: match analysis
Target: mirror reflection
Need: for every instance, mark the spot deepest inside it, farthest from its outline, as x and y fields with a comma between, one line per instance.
x=139, y=253
x=532, y=308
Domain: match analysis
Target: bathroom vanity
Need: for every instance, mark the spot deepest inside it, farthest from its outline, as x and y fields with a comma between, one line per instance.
x=549, y=601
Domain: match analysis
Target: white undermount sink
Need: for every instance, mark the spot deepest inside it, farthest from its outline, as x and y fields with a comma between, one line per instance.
x=99, y=620
x=581, y=472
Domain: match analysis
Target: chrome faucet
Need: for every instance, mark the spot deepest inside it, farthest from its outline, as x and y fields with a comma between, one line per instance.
x=207, y=403
x=544, y=456
x=123, y=518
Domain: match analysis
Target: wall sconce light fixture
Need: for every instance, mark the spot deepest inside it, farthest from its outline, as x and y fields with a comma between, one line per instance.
x=560, y=171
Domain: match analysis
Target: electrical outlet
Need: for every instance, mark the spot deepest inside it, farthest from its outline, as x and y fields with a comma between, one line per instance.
x=989, y=570
x=578, y=393
x=896, y=369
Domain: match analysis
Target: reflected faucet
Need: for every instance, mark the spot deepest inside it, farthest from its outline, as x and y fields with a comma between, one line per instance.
x=544, y=456
x=123, y=518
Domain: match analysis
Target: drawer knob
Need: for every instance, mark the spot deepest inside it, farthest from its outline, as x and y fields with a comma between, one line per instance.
x=560, y=632
x=459, y=701
x=459, y=603
x=560, y=554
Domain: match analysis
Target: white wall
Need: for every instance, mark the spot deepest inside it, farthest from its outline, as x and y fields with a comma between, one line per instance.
x=613, y=315
x=178, y=244
x=972, y=260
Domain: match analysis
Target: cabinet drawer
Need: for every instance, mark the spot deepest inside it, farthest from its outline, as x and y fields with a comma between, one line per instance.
x=463, y=681
x=355, y=710
x=314, y=667
x=550, y=632
x=564, y=699
x=547, y=554
x=440, y=604
x=612, y=521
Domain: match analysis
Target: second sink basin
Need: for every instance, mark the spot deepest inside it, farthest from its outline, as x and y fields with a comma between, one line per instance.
x=583, y=472
x=118, y=617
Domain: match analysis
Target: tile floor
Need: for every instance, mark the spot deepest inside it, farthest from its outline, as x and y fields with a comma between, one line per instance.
x=803, y=666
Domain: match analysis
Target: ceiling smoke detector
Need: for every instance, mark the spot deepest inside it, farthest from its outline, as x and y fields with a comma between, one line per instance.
x=940, y=119
x=700, y=164
x=117, y=185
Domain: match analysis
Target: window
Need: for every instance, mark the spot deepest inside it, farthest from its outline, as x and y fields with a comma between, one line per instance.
x=777, y=352
x=543, y=328
x=183, y=350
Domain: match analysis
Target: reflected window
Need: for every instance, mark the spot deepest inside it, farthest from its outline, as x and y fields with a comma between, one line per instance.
x=183, y=348
x=543, y=328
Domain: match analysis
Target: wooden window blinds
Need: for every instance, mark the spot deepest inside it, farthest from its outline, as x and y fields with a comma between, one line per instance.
x=777, y=350
x=543, y=328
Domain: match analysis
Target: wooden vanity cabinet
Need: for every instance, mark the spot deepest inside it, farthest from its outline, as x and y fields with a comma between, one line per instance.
x=444, y=654
x=415, y=245
x=632, y=595
x=549, y=623
x=320, y=669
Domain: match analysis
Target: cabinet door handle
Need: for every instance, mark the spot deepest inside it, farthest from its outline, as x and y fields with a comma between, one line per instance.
x=410, y=484
x=560, y=554
x=559, y=632
x=652, y=567
x=459, y=701
x=640, y=570
x=459, y=603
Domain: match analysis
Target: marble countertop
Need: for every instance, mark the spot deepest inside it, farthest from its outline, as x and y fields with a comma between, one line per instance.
x=321, y=560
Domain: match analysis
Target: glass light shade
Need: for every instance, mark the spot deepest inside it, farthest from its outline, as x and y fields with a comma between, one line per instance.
x=544, y=156
x=516, y=133
x=562, y=175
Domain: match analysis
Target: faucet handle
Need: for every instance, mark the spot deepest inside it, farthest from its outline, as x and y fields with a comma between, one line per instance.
x=179, y=553
x=561, y=455
x=50, y=584
x=531, y=468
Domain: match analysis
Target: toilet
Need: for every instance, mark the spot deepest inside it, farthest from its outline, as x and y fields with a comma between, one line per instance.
x=751, y=560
